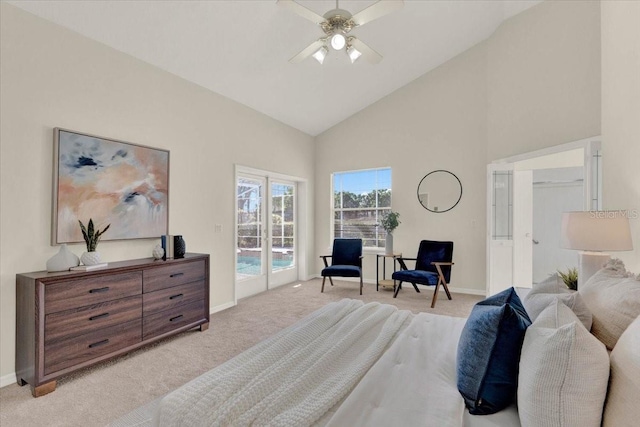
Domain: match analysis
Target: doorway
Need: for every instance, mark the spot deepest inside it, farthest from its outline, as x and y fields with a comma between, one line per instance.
x=526, y=196
x=266, y=249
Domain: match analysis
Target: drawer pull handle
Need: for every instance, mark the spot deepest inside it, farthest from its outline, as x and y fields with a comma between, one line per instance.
x=95, y=291
x=176, y=275
x=99, y=343
x=176, y=296
x=99, y=316
x=176, y=318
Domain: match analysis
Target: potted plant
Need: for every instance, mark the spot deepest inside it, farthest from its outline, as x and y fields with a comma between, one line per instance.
x=91, y=237
x=389, y=222
x=570, y=278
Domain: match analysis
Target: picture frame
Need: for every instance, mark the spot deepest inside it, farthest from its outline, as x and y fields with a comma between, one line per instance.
x=112, y=182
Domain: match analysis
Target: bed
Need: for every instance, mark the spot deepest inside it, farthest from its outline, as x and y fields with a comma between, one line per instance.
x=356, y=364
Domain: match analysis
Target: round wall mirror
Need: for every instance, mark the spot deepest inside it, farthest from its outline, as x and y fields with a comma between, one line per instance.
x=439, y=191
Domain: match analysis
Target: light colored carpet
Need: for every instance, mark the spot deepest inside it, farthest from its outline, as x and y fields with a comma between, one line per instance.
x=100, y=394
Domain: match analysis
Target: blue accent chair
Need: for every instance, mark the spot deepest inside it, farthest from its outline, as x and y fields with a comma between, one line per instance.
x=346, y=261
x=433, y=267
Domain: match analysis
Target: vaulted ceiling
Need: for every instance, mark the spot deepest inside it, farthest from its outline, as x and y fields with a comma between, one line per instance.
x=240, y=49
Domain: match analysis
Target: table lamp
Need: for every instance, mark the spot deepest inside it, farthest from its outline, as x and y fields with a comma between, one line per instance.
x=594, y=233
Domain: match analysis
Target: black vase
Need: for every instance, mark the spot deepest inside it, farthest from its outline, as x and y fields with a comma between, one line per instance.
x=179, y=247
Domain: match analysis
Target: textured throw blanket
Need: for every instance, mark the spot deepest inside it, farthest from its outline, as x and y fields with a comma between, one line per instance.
x=292, y=378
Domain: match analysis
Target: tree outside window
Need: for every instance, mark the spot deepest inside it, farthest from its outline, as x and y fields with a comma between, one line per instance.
x=360, y=199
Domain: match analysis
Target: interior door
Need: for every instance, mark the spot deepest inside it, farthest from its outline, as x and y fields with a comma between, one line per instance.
x=522, y=189
x=499, y=227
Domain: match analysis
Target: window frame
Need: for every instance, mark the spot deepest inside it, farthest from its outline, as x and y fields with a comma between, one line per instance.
x=380, y=233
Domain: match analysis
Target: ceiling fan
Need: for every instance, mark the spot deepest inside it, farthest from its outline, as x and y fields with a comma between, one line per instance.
x=336, y=24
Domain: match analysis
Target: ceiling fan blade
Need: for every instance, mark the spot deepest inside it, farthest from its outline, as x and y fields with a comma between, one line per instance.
x=368, y=54
x=301, y=10
x=307, y=51
x=376, y=10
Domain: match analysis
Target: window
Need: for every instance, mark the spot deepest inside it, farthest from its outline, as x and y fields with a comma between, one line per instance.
x=360, y=198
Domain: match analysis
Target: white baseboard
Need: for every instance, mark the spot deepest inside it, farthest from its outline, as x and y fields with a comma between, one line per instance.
x=469, y=291
x=221, y=307
x=8, y=379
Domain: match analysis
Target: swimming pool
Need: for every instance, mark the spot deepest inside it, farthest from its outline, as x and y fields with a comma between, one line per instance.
x=251, y=266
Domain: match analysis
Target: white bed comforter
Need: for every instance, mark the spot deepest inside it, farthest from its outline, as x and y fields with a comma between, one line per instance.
x=414, y=382
x=347, y=364
x=292, y=378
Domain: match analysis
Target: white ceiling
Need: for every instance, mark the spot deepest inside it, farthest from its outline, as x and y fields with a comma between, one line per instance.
x=240, y=49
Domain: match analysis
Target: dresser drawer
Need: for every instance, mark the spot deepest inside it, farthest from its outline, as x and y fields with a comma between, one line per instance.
x=76, y=350
x=88, y=318
x=173, y=275
x=168, y=320
x=91, y=290
x=154, y=302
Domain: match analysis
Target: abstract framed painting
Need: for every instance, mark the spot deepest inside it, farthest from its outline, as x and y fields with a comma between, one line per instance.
x=110, y=181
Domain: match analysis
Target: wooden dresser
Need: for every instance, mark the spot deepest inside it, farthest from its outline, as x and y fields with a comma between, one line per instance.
x=70, y=320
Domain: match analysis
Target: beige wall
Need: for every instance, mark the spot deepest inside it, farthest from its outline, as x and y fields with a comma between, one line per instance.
x=52, y=77
x=544, y=78
x=621, y=115
x=534, y=83
x=424, y=126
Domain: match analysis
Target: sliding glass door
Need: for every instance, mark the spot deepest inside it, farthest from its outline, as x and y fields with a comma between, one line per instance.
x=266, y=243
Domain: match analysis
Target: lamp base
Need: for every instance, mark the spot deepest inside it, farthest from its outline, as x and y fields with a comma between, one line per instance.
x=589, y=263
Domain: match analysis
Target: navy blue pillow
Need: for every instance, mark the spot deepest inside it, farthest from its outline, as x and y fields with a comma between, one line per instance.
x=489, y=353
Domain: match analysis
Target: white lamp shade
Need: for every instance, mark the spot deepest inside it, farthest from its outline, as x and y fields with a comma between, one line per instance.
x=320, y=54
x=596, y=231
x=353, y=53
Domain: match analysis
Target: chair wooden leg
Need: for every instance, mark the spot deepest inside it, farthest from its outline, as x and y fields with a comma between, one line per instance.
x=331, y=280
x=446, y=289
x=415, y=287
x=323, y=279
x=435, y=295
x=360, y=285
x=395, y=294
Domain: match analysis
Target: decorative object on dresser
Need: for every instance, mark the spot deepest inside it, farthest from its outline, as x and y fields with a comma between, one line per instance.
x=123, y=184
x=68, y=321
x=63, y=260
x=91, y=237
x=389, y=222
x=158, y=252
x=179, y=247
x=167, y=243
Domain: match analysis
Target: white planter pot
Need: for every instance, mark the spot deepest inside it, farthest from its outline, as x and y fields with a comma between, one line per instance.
x=90, y=258
x=388, y=244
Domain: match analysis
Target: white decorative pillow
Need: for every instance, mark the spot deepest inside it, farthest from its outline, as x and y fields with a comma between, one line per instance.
x=564, y=372
x=613, y=296
x=622, y=408
x=543, y=293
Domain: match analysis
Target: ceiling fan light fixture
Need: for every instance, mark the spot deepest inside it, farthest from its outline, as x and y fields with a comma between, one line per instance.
x=353, y=53
x=320, y=54
x=338, y=41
